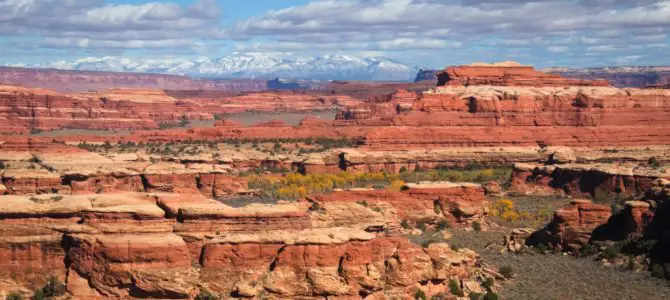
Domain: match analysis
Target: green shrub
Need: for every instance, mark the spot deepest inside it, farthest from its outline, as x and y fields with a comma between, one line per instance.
x=455, y=288
x=491, y=296
x=506, y=271
x=425, y=244
x=611, y=253
x=476, y=226
x=378, y=209
x=14, y=296
x=489, y=283
x=205, y=294
x=404, y=224
x=632, y=265
x=421, y=225
x=443, y=224
x=2, y=165
x=364, y=203
x=53, y=288
x=420, y=295
x=439, y=296
x=475, y=296
x=183, y=121
x=587, y=250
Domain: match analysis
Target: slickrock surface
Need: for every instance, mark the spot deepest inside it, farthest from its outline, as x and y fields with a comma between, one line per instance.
x=169, y=245
x=459, y=203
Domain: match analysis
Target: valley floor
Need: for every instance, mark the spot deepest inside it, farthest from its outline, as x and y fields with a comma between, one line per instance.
x=559, y=277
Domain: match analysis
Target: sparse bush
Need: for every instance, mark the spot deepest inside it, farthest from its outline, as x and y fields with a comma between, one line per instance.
x=53, y=288
x=489, y=283
x=475, y=296
x=363, y=203
x=506, y=271
x=205, y=294
x=2, y=165
x=421, y=225
x=425, y=244
x=611, y=253
x=420, y=295
x=183, y=121
x=455, y=288
x=57, y=198
x=587, y=250
x=476, y=226
x=14, y=296
x=405, y=225
x=396, y=185
x=443, y=224
x=653, y=162
x=491, y=296
x=378, y=209
x=632, y=265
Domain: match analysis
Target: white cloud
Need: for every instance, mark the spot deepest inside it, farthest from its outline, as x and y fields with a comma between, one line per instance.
x=96, y=24
x=434, y=31
x=558, y=49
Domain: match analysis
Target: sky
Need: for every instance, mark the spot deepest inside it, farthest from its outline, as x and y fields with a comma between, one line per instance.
x=425, y=33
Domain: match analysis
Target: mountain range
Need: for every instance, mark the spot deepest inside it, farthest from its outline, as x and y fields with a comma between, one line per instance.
x=251, y=65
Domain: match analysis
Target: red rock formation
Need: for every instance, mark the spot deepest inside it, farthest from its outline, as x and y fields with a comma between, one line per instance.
x=169, y=246
x=459, y=203
x=571, y=227
x=596, y=180
x=506, y=74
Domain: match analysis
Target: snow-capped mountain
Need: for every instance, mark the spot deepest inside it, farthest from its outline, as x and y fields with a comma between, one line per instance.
x=253, y=65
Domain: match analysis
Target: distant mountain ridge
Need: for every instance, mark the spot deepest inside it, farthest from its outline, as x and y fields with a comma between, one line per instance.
x=252, y=65
x=624, y=76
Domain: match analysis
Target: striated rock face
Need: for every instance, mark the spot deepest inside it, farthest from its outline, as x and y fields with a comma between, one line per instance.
x=54, y=168
x=137, y=245
x=596, y=179
x=22, y=108
x=571, y=227
x=459, y=203
x=506, y=74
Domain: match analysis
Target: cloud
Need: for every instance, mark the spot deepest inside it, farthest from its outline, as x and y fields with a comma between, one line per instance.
x=514, y=28
x=424, y=32
x=89, y=24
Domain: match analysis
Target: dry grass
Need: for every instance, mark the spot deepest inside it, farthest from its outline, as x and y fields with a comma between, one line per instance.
x=554, y=276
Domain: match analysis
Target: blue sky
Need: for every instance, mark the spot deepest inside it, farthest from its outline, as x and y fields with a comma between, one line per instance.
x=426, y=33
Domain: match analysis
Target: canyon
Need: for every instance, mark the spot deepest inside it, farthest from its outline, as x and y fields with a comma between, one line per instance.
x=144, y=204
